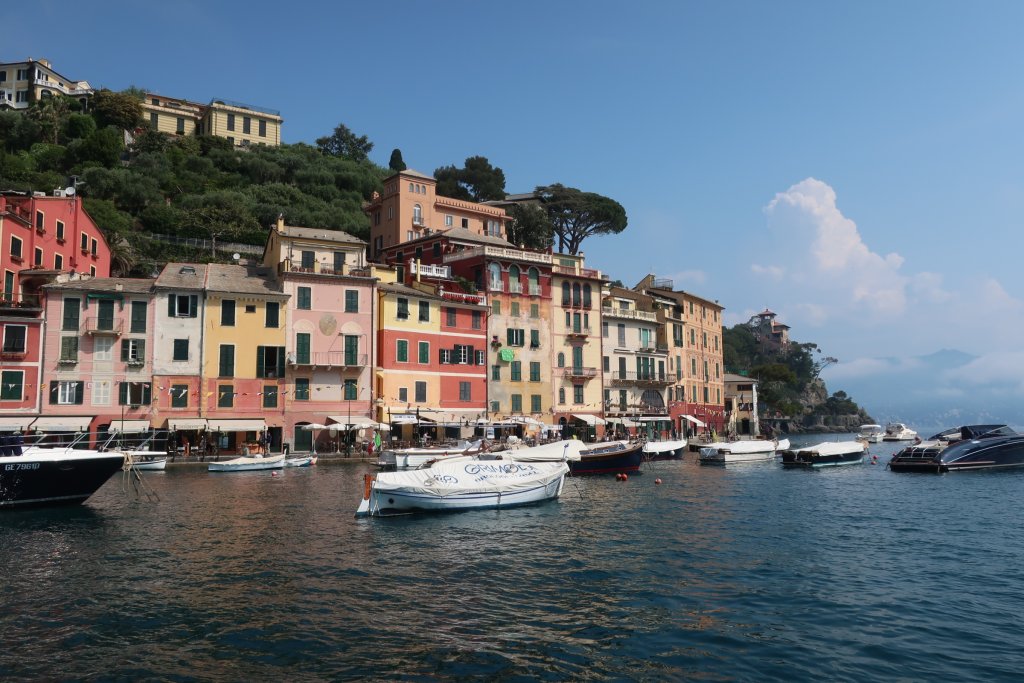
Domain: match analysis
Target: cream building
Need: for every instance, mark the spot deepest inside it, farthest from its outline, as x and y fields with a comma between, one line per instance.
x=22, y=83
x=241, y=124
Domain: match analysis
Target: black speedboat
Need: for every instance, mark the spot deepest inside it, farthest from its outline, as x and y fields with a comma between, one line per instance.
x=971, y=447
x=54, y=476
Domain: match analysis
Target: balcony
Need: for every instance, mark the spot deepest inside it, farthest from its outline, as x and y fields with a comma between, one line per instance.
x=496, y=286
x=104, y=326
x=643, y=378
x=479, y=299
x=444, y=272
x=578, y=272
x=16, y=303
x=578, y=372
x=503, y=253
x=515, y=288
x=577, y=331
x=651, y=347
x=629, y=314
x=535, y=290
x=321, y=268
x=329, y=359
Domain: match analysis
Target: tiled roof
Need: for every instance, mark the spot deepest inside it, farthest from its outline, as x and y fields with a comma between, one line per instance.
x=106, y=284
x=241, y=279
x=182, y=276
x=321, y=234
x=466, y=235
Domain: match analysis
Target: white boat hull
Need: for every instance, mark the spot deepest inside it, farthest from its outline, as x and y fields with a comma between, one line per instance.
x=300, y=462
x=468, y=484
x=736, y=452
x=248, y=464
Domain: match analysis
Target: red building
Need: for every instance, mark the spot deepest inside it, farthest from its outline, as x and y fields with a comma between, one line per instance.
x=40, y=238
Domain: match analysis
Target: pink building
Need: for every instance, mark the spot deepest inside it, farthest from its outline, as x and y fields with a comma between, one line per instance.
x=96, y=360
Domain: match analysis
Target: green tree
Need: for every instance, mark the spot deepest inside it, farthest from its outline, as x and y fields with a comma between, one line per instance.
x=530, y=226
x=123, y=111
x=51, y=114
x=345, y=144
x=102, y=148
x=576, y=215
x=79, y=126
x=396, y=163
x=477, y=181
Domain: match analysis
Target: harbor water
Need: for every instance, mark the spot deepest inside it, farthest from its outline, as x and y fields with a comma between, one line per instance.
x=748, y=572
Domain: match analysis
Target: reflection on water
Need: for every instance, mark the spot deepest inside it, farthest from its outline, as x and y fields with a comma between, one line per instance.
x=750, y=572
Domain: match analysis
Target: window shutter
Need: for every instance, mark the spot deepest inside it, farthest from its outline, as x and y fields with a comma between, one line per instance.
x=54, y=392
x=470, y=355
x=280, y=361
x=171, y=304
x=193, y=305
x=511, y=336
x=124, y=350
x=147, y=393
x=79, y=393
x=261, y=366
x=122, y=394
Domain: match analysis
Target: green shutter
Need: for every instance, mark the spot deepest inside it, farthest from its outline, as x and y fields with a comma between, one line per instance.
x=280, y=361
x=54, y=392
x=193, y=305
x=261, y=367
x=171, y=301
x=79, y=393
x=147, y=393
x=122, y=394
x=302, y=347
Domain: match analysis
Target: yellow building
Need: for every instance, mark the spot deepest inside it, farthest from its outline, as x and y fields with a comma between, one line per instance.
x=22, y=83
x=241, y=124
x=244, y=363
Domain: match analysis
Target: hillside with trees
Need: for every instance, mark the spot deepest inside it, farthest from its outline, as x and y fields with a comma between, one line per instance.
x=789, y=382
x=152, y=193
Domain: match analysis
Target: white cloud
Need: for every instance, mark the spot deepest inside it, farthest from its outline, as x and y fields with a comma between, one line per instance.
x=832, y=252
x=771, y=272
x=697, y=277
x=998, y=370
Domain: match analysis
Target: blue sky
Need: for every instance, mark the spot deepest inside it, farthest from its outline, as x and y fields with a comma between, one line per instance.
x=856, y=167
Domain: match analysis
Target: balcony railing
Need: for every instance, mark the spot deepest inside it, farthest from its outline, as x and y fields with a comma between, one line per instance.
x=632, y=377
x=500, y=253
x=430, y=271
x=577, y=331
x=515, y=287
x=496, y=286
x=629, y=313
x=651, y=347
x=463, y=297
x=579, y=272
x=578, y=371
x=10, y=300
x=319, y=268
x=535, y=290
x=330, y=359
x=103, y=326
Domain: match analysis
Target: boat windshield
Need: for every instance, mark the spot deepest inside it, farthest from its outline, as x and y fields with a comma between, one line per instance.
x=985, y=431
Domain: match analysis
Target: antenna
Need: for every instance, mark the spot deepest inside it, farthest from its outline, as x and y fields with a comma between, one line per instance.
x=236, y=256
x=69, y=191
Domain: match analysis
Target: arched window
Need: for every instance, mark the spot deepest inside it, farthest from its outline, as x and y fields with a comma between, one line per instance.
x=513, y=273
x=495, y=270
x=586, y=296
x=565, y=294
x=576, y=299
x=534, y=276
x=417, y=214
x=561, y=359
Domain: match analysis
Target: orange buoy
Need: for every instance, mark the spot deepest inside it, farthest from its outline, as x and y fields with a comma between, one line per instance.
x=625, y=476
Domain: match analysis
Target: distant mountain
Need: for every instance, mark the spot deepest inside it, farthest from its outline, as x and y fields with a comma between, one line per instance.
x=921, y=392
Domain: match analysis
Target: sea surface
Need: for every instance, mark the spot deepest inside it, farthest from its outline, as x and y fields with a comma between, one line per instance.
x=749, y=572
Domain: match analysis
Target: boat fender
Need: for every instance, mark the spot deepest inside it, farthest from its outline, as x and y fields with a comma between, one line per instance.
x=368, y=480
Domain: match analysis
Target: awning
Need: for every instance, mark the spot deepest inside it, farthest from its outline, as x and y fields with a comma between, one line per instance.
x=129, y=426
x=404, y=419
x=237, y=425
x=691, y=418
x=186, y=424
x=591, y=420
x=664, y=418
x=20, y=422
x=526, y=420
x=61, y=424
x=624, y=421
x=355, y=422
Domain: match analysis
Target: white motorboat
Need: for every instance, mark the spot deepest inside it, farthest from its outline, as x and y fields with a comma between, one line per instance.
x=664, y=450
x=462, y=483
x=829, y=453
x=897, y=431
x=147, y=460
x=405, y=458
x=248, y=464
x=728, y=452
x=306, y=461
x=871, y=433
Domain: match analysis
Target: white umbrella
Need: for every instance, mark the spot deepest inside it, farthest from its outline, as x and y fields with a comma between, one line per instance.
x=313, y=425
